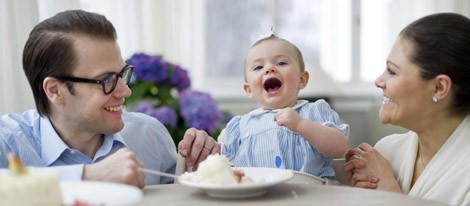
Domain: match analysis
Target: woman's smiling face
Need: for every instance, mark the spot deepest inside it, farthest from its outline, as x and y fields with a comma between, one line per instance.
x=273, y=74
x=407, y=96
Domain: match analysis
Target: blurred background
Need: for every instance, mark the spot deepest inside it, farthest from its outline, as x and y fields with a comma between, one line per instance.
x=344, y=42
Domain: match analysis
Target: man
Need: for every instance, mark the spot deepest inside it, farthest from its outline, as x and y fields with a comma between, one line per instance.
x=79, y=81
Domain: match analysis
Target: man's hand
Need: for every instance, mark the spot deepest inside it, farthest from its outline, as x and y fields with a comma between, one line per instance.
x=196, y=146
x=120, y=167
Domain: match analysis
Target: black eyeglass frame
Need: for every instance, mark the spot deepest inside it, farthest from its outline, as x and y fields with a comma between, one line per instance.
x=128, y=70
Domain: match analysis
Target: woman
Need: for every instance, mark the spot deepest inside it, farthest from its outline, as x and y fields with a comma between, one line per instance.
x=426, y=88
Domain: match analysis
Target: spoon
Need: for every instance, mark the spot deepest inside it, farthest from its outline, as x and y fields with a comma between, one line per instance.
x=156, y=172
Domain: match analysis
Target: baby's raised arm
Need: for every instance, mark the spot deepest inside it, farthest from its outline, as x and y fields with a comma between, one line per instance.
x=329, y=141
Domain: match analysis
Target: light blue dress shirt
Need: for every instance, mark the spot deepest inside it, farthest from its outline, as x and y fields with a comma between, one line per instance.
x=255, y=140
x=35, y=141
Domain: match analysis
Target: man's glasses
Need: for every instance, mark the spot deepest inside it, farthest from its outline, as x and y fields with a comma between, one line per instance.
x=108, y=82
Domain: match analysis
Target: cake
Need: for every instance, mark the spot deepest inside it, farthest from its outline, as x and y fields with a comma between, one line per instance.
x=216, y=169
x=19, y=186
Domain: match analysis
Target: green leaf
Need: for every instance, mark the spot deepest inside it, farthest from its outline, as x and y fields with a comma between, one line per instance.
x=178, y=133
x=139, y=91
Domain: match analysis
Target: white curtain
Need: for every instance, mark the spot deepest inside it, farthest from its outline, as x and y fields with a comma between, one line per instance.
x=17, y=19
x=162, y=27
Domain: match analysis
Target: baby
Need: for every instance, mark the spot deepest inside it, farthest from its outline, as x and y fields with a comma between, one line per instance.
x=285, y=132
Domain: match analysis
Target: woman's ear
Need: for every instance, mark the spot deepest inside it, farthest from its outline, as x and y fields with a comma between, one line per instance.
x=304, y=80
x=53, y=89
x=442, y=87
x=247, y=89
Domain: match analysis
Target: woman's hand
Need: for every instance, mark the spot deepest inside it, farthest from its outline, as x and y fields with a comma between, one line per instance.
x=367, y=168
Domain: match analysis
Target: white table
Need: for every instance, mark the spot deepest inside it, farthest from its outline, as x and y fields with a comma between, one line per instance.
x=283, y=194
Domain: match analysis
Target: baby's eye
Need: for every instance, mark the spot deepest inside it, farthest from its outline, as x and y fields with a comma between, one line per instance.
x=391, y=71
x=281, y=63
x=258, y=68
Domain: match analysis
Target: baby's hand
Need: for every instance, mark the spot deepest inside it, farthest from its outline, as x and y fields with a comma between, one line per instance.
x=289, y=118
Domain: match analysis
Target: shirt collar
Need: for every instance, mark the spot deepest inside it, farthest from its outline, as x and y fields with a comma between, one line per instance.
x=259, y=111
x=53, y=146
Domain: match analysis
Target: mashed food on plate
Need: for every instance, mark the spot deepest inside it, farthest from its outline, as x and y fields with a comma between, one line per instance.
x=216, y=169
x=19, y=186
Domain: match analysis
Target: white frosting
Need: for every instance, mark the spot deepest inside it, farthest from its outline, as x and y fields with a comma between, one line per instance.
x=216, y=169
x=34, y=188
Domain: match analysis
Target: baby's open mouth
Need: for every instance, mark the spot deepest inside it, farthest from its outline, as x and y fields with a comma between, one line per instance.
x=272, y=85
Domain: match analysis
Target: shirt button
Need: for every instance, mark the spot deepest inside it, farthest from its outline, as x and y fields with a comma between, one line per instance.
x=73, y=151
x=247, y=135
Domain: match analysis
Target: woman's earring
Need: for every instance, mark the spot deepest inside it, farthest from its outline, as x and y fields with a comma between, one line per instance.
x=434, y=98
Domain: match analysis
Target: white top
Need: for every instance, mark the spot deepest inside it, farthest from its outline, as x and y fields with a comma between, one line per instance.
x=447, y=176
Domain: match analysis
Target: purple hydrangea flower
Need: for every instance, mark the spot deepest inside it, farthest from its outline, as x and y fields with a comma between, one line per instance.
x=165, y=115
x=179, y=78
x=199, y=110
x=143, y=107
x=148, y=67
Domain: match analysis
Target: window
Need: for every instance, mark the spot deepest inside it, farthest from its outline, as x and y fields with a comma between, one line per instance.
x=320, y=28
x=344, y=42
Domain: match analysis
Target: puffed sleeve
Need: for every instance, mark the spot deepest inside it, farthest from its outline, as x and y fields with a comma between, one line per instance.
x=231, y=140
x=322, y=113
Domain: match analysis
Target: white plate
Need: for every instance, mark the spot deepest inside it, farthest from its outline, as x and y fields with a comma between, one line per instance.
x=305, y=178
x=263, y=179
x=100, y=193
